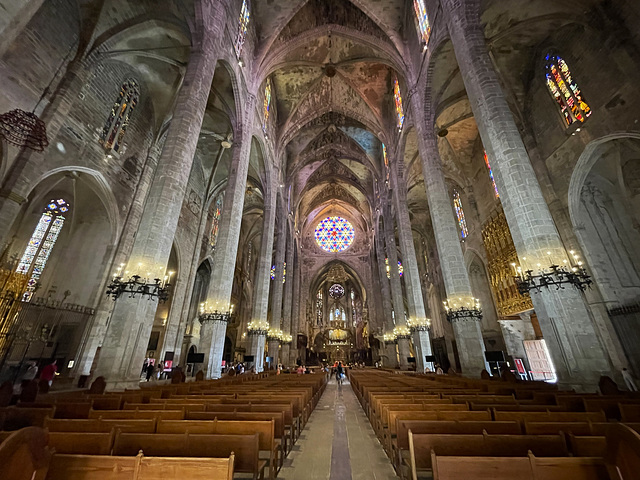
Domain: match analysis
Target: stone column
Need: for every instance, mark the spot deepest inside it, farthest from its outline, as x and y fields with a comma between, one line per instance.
x=454, y=271
x=125, y=343
x=296, y=319
x=568, y=327
x=385, y=294
x=125, y=244
x=415, y=301
x=212, y=336
x=404, y=348
x=288, y=297
x=276, y=293
x=263, y=278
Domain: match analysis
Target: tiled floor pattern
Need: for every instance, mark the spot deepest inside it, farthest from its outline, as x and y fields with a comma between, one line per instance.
x=338, y=443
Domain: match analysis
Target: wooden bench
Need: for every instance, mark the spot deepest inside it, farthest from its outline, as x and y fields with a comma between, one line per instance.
x=550, y=416
x=138, y=414
x=17, y=418
x=24, y=455
x=551, y=428
x=421, y=445
x=264, y=429
x=81, y=443
x=101, y=425
x=399, y=446
x=89, y=467
x=520, y=468
x=245, y=447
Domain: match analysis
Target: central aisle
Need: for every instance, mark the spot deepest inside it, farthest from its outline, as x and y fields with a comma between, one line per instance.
x=337, y=443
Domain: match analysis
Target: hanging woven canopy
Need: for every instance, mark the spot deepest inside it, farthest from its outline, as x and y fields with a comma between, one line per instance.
x=24, y=129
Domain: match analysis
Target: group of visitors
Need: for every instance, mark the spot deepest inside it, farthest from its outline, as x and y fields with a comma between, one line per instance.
x=152, y=372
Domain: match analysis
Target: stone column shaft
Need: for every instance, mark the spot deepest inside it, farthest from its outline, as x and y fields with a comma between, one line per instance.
x=386, y=298
x=454, y=271
x=415, y=301
x=226, y=251
x=128, y=332
x=567, y=325
x=404, y=348
x=263, y=275
x=295, y=306
x=288, y=297
x=278, y=286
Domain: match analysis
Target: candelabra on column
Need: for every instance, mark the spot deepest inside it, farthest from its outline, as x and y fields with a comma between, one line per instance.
x=463, y=308
x=138, y=285
x=570, y=272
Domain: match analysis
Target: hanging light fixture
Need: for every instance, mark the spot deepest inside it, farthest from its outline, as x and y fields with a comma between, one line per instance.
x=24, y=129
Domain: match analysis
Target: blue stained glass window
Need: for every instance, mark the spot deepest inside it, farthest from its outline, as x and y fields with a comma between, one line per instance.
x=334, y=234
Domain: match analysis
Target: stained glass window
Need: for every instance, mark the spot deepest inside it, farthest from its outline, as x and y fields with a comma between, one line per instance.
x=398, y=101
x=41, y=243
x=400, y=268
x=565, y=91
x=334, y=234
x=457, y=205
x=243, y=24
x=284, y=272
x=336, y=290
x=215, y=222
x=118, y=121
x=386, y=160
x=493, y=182
x=319, y=307
x=267, y=105
x=423, y=20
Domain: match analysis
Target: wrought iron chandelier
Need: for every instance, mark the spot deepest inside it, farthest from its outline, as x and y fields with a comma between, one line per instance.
x=212, y=314
x=419, y=324
x=136, y=285
x=462, y=308
x=258, y=327
x=571, y=273
x=24, y=129
x=402, y=332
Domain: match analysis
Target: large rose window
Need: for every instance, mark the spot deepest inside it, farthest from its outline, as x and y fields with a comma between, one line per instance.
x=334, y=234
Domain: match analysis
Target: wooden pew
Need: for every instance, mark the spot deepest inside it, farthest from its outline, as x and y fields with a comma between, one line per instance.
x=17, y=418
x=550, y=416
x=24, y=455
x=138, y=414
x=551, y=428
x=101, y=425
x=520, y=468
x=421, y=445
x=399, y=447
x=89, y=467
x=81, y=443
x=264, y=429
x=245, y=447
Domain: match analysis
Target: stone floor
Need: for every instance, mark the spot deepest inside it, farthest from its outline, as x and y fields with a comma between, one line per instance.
x=337, y=443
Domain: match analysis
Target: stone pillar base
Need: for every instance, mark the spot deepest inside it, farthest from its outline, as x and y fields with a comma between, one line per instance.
x=285, y=355
x=404, y=351
x=422, y=347
x=273, y=354
x=470, y=345
x=257, y=343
